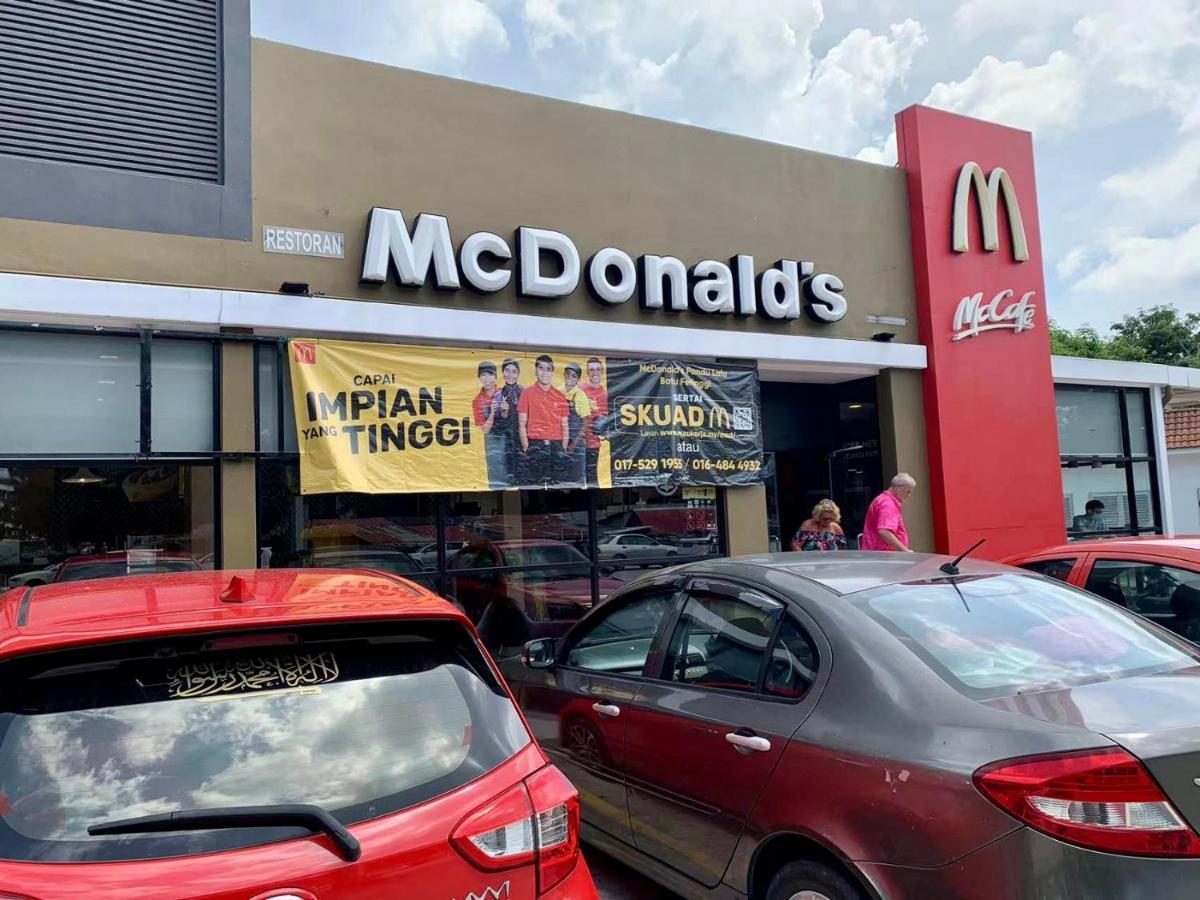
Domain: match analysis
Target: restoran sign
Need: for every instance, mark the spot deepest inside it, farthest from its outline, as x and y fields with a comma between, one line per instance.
x=547, y=266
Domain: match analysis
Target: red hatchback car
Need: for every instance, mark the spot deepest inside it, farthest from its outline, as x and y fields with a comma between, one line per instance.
x=1158, y=578
x=272, y=734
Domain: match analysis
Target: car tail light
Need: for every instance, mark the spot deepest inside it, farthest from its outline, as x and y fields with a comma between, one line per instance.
x=556, y=825
x=537, y=821
x=1099, y=799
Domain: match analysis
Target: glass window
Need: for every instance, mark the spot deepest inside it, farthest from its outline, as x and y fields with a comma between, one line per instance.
x=266, y=361
x=995, y=636
x=181, y=396
x=386, y=532
x=793, y=665
x=721, y=641
x=1146, y=588
x=1139, y=431
x=78, y=393
x=1106, y=485
x=640, y=528
x=163, y=748
x=1059, y=569
x=49, y=514
x=1089, y=421
x=620, y=641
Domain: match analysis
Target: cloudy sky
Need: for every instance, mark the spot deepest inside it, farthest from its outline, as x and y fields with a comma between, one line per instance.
x=1110, y=88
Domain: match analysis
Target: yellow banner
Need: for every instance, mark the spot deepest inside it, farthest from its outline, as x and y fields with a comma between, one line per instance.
x=383, y=418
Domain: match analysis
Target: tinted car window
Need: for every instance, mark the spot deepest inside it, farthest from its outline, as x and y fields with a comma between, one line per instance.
x=996, y=635
x=620, y=641
x=721, y=641
x=1147, y=588
x=792, y=668
x=363, y=721
x=1059, y=569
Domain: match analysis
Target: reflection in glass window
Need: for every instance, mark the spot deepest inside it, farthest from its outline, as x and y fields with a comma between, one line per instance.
x=1058, y=569
x=1147, y=588
x=388, y=532
x=996, y=636
x=721, y=642
x=138, y=738
x=52, y=514
x=620, y=642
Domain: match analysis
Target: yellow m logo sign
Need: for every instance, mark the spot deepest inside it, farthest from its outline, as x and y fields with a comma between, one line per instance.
x=987, y=194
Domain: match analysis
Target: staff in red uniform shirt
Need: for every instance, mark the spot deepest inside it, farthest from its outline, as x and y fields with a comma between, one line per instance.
x=596, y=393
x=542, y=415
x=497, y=446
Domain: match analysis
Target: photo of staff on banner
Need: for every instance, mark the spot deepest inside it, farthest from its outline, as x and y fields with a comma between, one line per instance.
x=384, y=418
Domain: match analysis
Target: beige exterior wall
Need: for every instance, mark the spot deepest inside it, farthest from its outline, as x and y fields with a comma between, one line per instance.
x=334, y=137
x=746, y=519
x=903, y=449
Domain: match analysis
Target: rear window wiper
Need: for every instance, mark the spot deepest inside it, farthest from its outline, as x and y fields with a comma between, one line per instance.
x=313, y=818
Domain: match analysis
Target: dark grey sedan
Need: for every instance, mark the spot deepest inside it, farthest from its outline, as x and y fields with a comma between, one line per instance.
x=848, y=726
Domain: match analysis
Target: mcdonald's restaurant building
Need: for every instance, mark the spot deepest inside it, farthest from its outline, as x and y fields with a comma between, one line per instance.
x=190, y=214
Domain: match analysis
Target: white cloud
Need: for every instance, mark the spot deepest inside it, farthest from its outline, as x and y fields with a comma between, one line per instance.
x=1141, y=264
x=1073, y=262
x=1041, y=98
x=436, y=37
x=1164, y=191
x=975, y=17
x=749, y=69
x=545, y=24
x=885, y=153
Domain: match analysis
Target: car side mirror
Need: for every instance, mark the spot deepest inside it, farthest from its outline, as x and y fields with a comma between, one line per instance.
x=540, y=654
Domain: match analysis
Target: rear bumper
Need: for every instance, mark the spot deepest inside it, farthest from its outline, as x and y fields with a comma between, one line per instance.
x=576, y=886
x=1027, y=865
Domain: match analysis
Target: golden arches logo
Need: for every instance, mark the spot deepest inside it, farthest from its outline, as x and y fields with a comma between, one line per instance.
x=988, y=192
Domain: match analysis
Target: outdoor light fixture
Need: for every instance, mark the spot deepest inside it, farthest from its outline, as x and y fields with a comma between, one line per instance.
x=295, y=287
x=84, y=476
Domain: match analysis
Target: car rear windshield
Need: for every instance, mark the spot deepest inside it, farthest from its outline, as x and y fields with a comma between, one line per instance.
x=362, y=721
x=999, y=635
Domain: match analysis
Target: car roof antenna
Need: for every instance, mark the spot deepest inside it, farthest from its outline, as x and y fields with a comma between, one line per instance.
x=951, y=568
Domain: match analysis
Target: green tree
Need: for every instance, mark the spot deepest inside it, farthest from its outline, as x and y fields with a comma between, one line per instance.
x=1084, y=341
x=1160, y=334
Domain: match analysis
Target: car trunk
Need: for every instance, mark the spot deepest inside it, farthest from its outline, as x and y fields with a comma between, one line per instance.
x=1155, y=717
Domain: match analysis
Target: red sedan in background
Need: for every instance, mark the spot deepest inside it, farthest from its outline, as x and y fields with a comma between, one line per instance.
x=315, y=734
x=1158, y=578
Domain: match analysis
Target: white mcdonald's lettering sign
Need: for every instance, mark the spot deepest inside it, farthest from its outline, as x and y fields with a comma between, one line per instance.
x=974, y=315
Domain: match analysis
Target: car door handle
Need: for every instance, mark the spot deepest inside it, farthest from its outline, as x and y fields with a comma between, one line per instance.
x=748, y=742
x=606, y=709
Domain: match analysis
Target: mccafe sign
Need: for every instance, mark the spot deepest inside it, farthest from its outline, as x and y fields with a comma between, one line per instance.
x=547, y=266
x=998, y=310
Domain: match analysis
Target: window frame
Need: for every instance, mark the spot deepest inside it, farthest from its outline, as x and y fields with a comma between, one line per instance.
x=731, y=590
x=656, y=653
x=789, y=609
x=1126, y=461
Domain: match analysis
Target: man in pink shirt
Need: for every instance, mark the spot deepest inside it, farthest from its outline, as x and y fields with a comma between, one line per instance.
x=884, y=528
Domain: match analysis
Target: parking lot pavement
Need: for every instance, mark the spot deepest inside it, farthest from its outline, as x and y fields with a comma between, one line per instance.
x=616, y=881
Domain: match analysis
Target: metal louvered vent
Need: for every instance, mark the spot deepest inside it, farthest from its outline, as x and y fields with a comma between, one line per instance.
x=133, y=85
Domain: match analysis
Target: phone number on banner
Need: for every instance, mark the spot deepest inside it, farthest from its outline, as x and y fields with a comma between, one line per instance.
x=677, y=464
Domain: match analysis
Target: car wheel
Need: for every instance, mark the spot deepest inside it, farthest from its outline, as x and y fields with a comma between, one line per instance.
x=808, y=880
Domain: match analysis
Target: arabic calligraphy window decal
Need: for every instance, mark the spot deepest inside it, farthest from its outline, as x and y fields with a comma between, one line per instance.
x=258, y=673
